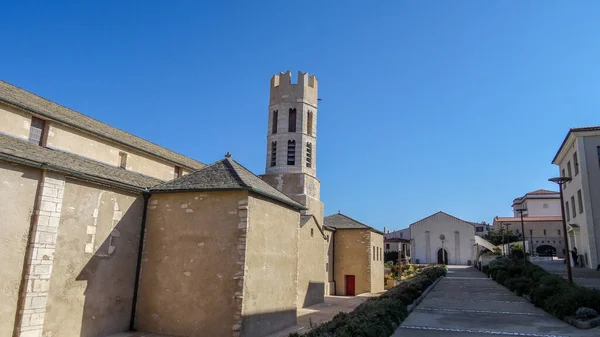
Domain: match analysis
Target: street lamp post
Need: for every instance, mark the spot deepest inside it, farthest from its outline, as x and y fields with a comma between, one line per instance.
x=507, y=239
x=521, y=210
x=561, y=181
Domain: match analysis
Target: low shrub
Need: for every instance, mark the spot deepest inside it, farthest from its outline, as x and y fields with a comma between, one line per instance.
x=379, y=316
x=585, y=314
x=548, y=291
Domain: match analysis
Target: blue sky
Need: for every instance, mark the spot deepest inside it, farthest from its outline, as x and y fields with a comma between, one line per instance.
x=457, y=106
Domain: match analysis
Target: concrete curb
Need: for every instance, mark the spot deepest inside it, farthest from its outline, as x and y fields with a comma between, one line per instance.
x=416, y=302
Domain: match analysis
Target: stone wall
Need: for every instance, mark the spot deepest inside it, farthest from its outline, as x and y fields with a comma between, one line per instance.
x=270, y=293
x=94, y=264
x=40, y=256
x=17, y=197
x=352, y=257
x=376, y=272
x=311, y=263
x=14, y=122
x=90, y=146
x=192, y=265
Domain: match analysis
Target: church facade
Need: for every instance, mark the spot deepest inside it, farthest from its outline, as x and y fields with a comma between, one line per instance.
x=442, y=238
x=106, y=232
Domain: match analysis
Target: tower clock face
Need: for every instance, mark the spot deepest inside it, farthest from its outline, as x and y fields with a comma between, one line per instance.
x=442, y=237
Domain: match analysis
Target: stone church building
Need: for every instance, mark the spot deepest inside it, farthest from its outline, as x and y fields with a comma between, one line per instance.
x=105, y=232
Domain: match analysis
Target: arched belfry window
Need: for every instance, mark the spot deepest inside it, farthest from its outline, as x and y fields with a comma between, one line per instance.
x=292, y=121
x=308, y=154
x=273, y=153
x=309, y=121
x=291, y=152
x=274, y=124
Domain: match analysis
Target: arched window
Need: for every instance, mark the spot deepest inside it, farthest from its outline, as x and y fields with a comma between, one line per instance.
x=292, y=121
x=308, y=154
x=274, y=124
x=273, y=153
x=309, y=120
x=291, y=152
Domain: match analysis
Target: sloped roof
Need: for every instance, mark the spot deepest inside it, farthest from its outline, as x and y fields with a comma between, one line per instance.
x=528, y=219
x=542, y=191
x=23, y=99
x=341, y=221
x=20, y=151
x=224, y=175
x=571, y=131
x=446, y=214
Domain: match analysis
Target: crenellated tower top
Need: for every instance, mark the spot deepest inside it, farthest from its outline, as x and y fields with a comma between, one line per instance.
x=284, y=91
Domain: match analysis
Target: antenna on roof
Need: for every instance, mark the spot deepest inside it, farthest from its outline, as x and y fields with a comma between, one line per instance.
x=227, y=155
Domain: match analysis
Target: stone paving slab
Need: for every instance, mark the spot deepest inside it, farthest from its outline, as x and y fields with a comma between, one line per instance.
x=475, y=304
x=450, y=310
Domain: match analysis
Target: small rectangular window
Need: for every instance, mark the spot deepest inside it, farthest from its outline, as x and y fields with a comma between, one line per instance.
x=291, y=152
x=559, y=232
x=579, y=201
x=292, y=121
x=598, y=150
x=327, y=267
x=36, y=131
x=273, y=154
x=567, y=211
x=569, y=169
x=374, y=253
x=309, y=123
x=274, y=125
x=308, y=154
x=574, y=213
x=312, y=232
x=387, y=246
x=563, y=175
x=575, y=163
x=123, y=160
x=544, y=232
x=177, y=172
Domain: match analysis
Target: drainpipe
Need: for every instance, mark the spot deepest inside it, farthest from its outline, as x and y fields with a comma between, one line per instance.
x=333, y=262
x=138, y=267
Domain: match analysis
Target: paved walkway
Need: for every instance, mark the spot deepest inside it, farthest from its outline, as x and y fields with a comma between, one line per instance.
x=467, y=303
x=582, y=276
x=315, y=314
x=323, y=312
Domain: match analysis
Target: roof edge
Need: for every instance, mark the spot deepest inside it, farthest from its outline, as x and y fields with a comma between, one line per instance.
x=33, y=111
x=72, y=173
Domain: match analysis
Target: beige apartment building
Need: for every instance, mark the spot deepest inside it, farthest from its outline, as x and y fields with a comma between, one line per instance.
x=578, y=157
x=542, y=222
x=105, y=232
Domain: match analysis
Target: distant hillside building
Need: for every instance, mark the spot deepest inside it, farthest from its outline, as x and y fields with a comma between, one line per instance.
x=542, y=222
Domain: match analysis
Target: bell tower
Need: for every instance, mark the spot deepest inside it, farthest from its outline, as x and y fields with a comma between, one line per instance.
x=291, y=163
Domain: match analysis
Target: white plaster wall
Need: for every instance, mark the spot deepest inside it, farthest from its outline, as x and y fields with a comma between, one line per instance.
x=535, y=207
x=437, y=225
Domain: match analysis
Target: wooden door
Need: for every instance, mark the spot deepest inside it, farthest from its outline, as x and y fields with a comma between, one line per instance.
x=350, y=285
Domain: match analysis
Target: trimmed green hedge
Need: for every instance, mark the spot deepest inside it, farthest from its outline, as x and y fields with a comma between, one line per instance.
x=550, y=292
x=379, y=316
